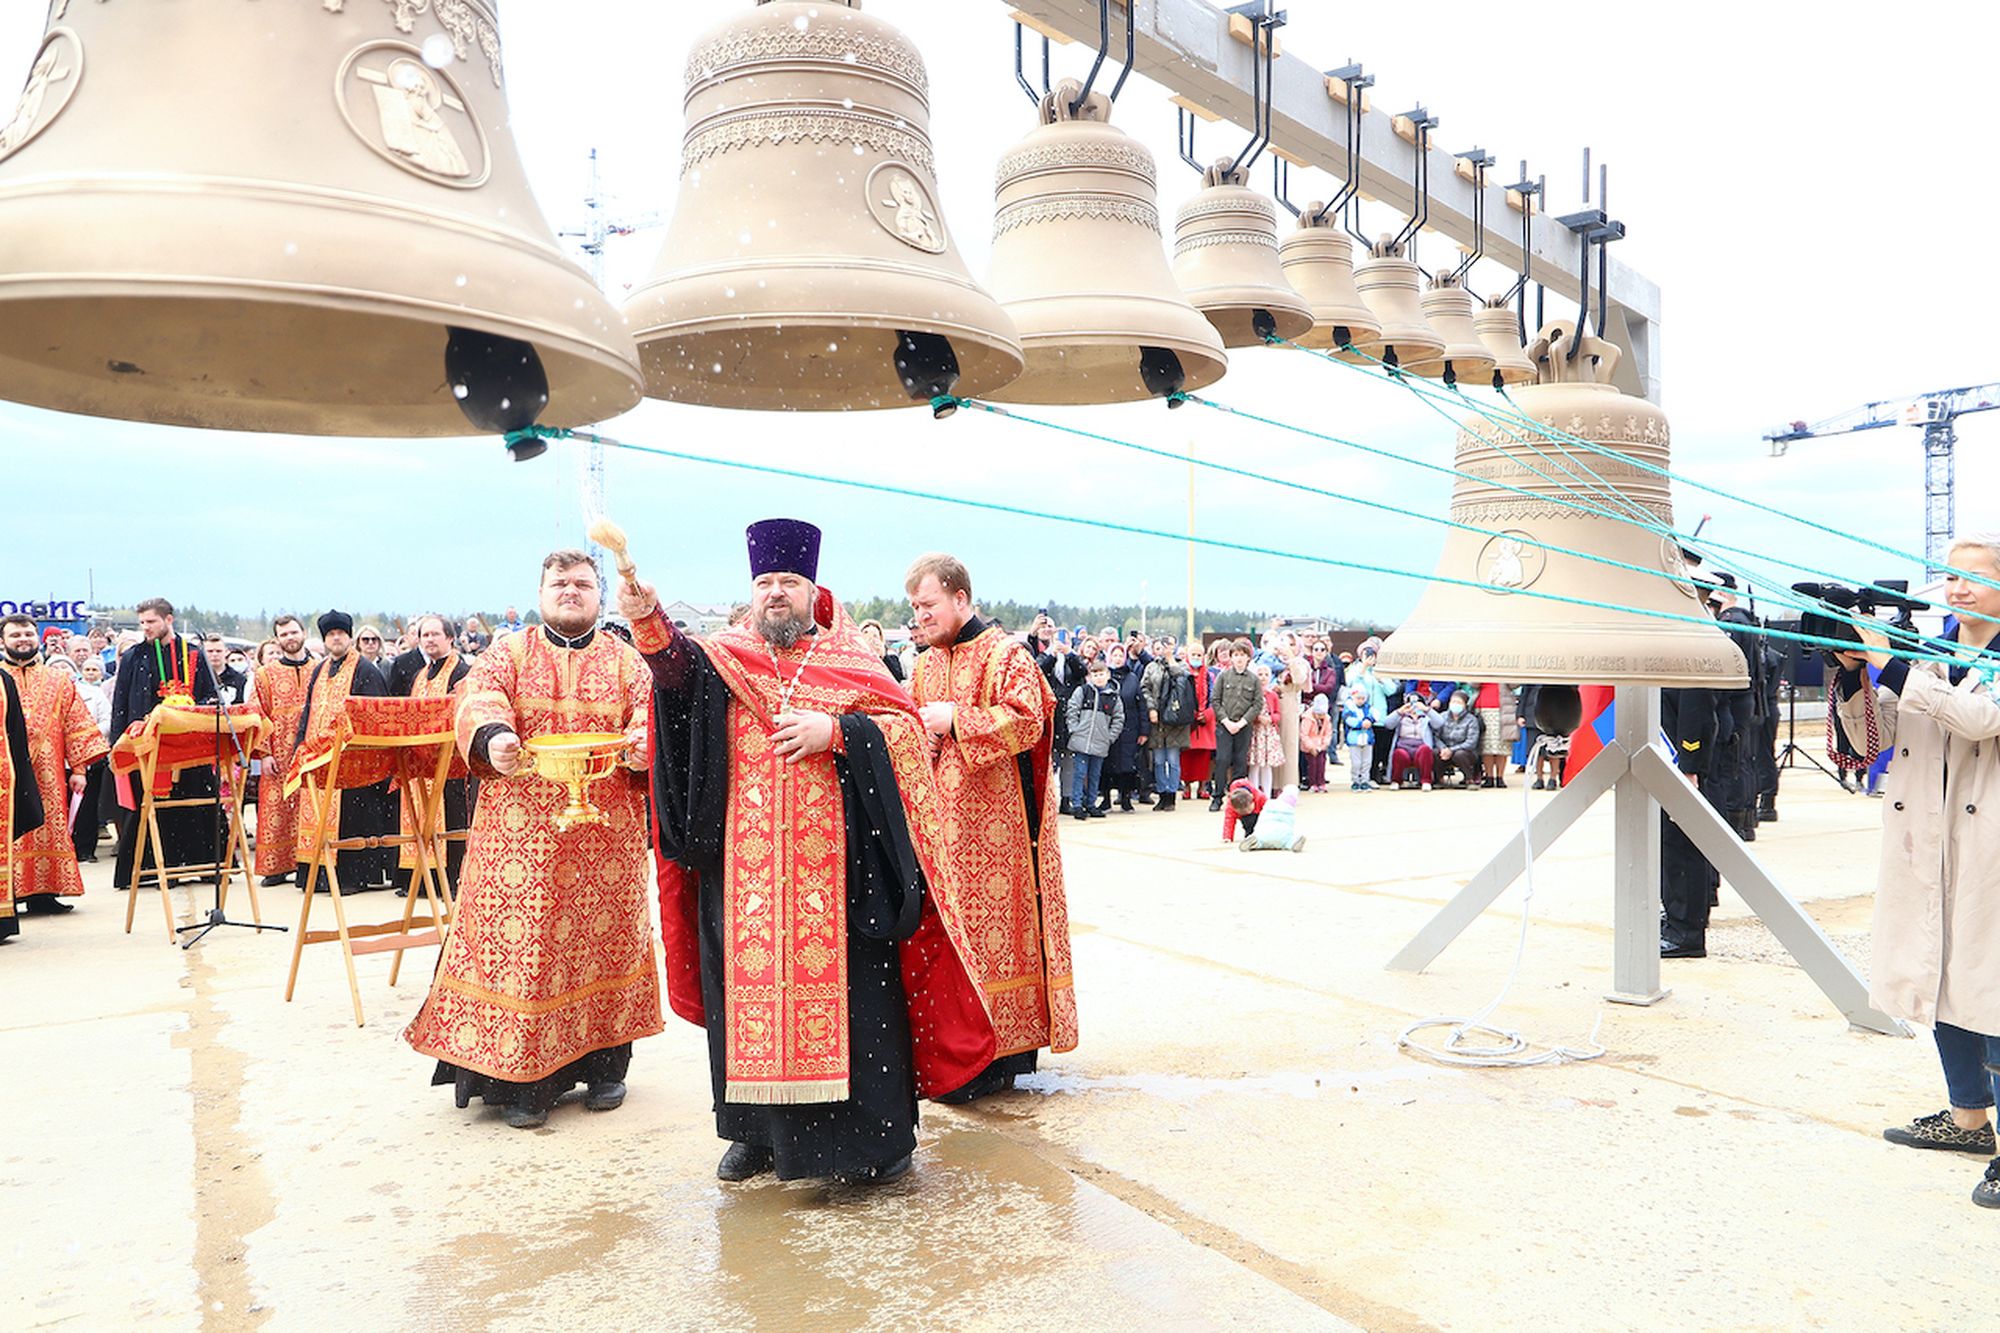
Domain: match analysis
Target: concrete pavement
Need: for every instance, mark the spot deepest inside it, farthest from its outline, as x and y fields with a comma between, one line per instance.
x=1237, y=1142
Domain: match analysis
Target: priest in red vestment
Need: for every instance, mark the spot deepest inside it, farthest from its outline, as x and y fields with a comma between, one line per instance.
x=549, y=975
x=278, y=689
x=991, y=714
x=809, y=918
x=63, y=742
x=20, y=798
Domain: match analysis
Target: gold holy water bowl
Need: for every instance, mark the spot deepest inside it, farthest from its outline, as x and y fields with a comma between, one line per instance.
x=574, y=760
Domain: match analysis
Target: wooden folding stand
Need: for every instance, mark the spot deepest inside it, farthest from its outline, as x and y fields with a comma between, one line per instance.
x=175, y=738
x=414, y=741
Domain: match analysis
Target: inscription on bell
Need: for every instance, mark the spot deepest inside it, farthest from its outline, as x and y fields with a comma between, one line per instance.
x=413, y=115
x=52, y=82
x=904, y=208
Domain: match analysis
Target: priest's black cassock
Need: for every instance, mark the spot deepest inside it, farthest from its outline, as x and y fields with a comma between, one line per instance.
x=365, y=812
x=25, y=804
x=459, y=793
x=188, y=834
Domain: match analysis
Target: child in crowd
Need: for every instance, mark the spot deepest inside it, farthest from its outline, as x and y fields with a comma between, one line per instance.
x=1357, y=724
x=1315, y=736
x=1266, y=750
x=1274, y=829
x=1242, y=805
x=1095, y=715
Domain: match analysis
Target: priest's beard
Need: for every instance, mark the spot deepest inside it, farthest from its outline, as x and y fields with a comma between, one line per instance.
x=570, y=625
x=22, y=656
x=781, y=627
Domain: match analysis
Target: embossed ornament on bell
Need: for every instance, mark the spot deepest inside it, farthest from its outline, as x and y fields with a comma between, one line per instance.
x=1080, y=266
x=1525, y=502
x=808, y=265
x=276, y=217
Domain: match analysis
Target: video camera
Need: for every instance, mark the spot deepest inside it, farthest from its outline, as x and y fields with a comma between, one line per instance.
x=1864, y=603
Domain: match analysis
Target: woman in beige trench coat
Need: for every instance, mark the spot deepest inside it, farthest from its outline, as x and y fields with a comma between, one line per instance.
x=1937, y=897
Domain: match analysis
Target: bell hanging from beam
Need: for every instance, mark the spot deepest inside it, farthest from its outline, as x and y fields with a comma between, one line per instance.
x=1318, y=260
x=1518, y=609
x=1391, y=286
x=1498, y=329
x=1447, y=308
x=808, y=265
x=197, y=234
x=1080, y=266
x=1226, y=260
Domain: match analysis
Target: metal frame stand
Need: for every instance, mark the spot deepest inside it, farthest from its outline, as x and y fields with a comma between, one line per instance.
x=1636, y=769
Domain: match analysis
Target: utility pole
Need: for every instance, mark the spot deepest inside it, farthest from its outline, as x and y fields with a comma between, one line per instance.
x=1190, y=577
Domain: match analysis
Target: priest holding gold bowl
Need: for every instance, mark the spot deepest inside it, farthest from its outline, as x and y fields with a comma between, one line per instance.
x=549, y=976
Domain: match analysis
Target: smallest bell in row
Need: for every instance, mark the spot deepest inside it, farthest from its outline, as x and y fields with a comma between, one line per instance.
x=1226, y=260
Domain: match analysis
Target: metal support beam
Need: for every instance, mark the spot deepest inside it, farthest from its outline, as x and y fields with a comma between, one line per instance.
x=1940, y=485
x=1643, y=781
x=1185, y=46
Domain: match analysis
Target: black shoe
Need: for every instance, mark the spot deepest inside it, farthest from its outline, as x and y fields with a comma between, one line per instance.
x=522, y=1117
x=1146, y=798
x=273, y=881
x=1941, y=1132
x=1767, y=810
x=1096, y=812
x=1164, y=803
x=1080, y=814
x=983, y=1084
x=1062, y=807
x=45, y=904
x=1214, y=804
x=1987, y=1192
x=742, y=1162
x=604, y=1097
x=1125, y=806
x=1690, y=949
x=876, y=1175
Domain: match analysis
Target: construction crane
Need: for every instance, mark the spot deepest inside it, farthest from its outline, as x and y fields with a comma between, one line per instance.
x=1938, y=413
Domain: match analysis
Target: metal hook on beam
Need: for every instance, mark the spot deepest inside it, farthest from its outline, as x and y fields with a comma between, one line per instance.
x=1020, y=74
x=1263, y=56
x=1423, y=122
x=1480, y=160
x=1348, y=201
x=1104, y=50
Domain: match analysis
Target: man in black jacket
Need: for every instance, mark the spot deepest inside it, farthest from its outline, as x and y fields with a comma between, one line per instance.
x=1736, y=773
x=1694, y=727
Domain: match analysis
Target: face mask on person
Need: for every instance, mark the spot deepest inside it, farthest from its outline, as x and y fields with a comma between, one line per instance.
x=1457, y=706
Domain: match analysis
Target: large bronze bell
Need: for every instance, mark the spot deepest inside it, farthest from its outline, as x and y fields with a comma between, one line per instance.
x=1447, y=308
x=808, y=265
x=1489, y=630
x=1226, y=260
x=1079, y=264
x=1318, y=260
x=1499, y=330
x=279, y=217
x=1391, y=286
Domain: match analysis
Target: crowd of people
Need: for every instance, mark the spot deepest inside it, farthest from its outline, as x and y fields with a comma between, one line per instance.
x=921, y=875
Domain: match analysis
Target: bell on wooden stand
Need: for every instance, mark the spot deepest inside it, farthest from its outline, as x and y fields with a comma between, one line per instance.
x=196, y=233
x=808, y=265
x=1392, y=288
x=1483, y=627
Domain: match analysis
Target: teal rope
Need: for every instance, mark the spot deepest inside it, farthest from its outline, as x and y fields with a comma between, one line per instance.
x=1247, y=548
x=1783, y=596
x=1790, y=598
x=1605, y=451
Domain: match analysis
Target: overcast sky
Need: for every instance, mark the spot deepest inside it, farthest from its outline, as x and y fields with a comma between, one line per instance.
x=1800, y=183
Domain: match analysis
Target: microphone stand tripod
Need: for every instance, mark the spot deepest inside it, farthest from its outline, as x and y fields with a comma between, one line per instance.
x=215, y=916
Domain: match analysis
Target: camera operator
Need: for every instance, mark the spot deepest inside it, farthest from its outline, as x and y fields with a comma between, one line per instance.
x=1937, y=896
